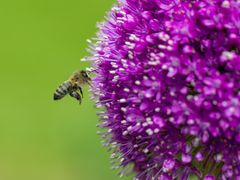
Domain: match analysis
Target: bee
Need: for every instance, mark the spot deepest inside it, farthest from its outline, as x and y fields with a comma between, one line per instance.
x=73, y=86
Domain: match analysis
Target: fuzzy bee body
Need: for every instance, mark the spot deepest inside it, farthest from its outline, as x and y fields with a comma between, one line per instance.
x=73, y=86
x=62, y=90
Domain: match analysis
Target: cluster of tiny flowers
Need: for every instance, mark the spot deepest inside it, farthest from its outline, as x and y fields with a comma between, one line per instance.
x=167, y=81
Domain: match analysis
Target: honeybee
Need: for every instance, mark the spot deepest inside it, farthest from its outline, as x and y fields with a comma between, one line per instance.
x=73, y=86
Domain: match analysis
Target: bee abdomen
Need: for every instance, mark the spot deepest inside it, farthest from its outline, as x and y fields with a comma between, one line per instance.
x=62, y=90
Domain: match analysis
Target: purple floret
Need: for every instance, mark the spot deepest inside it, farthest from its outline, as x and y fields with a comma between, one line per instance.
x=168, y=86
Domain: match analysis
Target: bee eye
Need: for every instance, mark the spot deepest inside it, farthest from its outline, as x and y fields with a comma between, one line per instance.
x=84, y=74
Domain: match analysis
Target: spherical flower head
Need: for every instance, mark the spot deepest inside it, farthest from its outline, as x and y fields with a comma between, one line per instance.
x=167, y=81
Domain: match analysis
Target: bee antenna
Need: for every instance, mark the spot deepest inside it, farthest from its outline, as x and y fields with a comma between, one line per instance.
x=89, y=70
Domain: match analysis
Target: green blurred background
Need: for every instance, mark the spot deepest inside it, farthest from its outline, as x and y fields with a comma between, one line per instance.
x=41, y=43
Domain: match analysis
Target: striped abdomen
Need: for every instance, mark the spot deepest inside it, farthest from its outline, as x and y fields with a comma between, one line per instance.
x=62, y=90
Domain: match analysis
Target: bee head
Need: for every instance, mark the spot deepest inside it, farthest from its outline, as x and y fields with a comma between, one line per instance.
x=85, y=76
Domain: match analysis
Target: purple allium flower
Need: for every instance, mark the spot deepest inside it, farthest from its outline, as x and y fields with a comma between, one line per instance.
x=168, y=81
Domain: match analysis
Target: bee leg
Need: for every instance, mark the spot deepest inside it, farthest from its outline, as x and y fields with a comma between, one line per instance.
x=89, y=83
x=80, y=98
x=80, y=89
x=76, y=95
